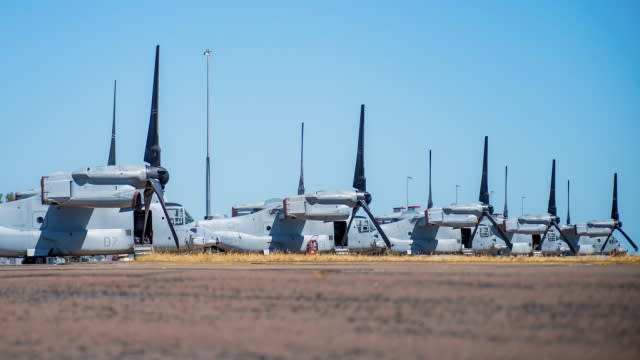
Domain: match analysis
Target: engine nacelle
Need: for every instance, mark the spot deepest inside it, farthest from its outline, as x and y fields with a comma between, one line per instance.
x=457, y=218
x=297, y=207
x=526, y=226
x=348, y=198
x=62, y=190
x=135, y=176
x=596, y=228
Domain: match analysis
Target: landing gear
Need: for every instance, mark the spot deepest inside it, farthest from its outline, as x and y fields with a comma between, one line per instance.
x=35, y=260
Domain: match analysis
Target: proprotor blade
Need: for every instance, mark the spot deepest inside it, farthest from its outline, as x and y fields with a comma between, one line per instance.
x=152, y=150
x=614, y=203
x=301, y=182
x=112, y=149
x=568, y=198
x=506, y=211
x=484, y=186
x=635, y=247
x=359, y=180
x=157, y=188
x=552, y=192
x=345, y=238
x=375, y=223
x=566, y=240
x=429, y=201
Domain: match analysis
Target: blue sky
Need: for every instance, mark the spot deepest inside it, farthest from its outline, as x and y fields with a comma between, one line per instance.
x=544, y=80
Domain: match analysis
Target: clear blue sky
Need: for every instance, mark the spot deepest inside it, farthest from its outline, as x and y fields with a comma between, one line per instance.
x=544, y=79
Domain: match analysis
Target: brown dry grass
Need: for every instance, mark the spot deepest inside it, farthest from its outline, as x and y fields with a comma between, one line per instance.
x=237, y=258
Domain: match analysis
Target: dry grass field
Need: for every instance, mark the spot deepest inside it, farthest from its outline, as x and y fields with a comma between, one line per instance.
x=243, y=258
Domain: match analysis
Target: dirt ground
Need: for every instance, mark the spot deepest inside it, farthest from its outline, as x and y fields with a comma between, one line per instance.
x=315, y=311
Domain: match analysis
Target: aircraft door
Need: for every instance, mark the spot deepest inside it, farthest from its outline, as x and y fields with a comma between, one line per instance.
x=536, y=241
x=339, y=230
x=466, y=238
x=138, y=228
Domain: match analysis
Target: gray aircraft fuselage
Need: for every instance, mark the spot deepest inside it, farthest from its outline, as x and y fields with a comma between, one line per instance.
x=83, y=220
x=288, y=226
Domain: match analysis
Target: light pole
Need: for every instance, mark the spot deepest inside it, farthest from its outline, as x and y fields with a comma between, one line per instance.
x=408, y=178
x=207, y=53
x=457, y=187
x=522, y=204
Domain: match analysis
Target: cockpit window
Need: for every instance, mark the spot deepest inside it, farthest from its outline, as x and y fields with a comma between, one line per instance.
x=176, y=215
x=484, y=231
x=187, y=217
x=364, y=225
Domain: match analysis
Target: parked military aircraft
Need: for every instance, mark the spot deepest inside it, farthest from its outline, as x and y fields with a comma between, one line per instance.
x=412, y=232
x=94, y=210
x=531, y=233
x=293, y=224
x=596, y=236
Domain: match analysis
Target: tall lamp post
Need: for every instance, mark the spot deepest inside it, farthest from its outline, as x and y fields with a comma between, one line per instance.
x=208, y=53
x=522, y=204
x=457, y=187
x=408, y=178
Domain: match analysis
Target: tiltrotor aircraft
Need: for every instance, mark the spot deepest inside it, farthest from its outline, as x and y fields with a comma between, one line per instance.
x=450, y=229
x=596, y=236
x=530, y=233
x=95, y=210
x=291, y=224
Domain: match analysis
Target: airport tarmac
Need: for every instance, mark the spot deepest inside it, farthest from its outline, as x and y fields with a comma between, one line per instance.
x=320, y=311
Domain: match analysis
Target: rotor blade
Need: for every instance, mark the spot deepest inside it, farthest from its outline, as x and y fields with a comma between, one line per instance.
x=112, y=149
x=543, y=237
x=152, y=150
x=552, y=192
x=568, y=192
x=628, y=238
x=148, y=195
x=359, y=180
x=429, y=202
x=614, y=203
x=606, y=241
x=506, y=211
x=157, y=188
x=343, y=241
x=573, y=249
x=500, y=232
x=375, y=223
x=301, y=182
x=484, y=187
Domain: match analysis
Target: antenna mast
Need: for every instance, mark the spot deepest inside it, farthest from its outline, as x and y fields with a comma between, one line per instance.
x=207, y=53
